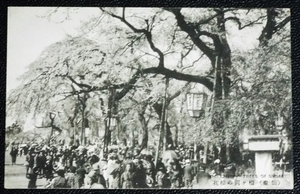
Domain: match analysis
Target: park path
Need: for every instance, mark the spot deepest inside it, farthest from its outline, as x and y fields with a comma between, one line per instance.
x=14, y=175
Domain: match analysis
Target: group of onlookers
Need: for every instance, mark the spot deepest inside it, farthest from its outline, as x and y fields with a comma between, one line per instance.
x=76, y=168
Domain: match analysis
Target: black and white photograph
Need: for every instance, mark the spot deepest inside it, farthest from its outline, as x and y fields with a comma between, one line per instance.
x=148, y=98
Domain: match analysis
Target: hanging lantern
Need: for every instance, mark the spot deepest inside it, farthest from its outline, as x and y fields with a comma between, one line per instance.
x=56, y=133
x=87, y=132
x=113, y=121
x=279, y=123
x=196, y=104
x=246, y=145
x=87, y=129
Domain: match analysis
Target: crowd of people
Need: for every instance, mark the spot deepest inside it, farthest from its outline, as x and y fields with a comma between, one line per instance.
x=75, y=166
x=88, y=167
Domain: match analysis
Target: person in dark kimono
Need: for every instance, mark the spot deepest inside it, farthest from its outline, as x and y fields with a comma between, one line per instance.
x=43, y=160
x=48, y=170
x=139, y=176
x=80, y=172
x=32, y=176
x=169, y=177
x=13, y=153
x=188, y=175
x=29, y=160
x=38, y=161
x=160, y=165
x=25, y=150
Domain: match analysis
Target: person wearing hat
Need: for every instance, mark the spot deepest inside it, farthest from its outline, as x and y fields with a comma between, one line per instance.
x=188, y=175
x=59, y=182
x=114, y=172
x=93, y=181
x=139, y=176
x=32, y=176
x=100, y=178
x=29, y=160
x=72, y=179
x=43, y=159
x=13, y=153
x=37, y=159
x=80, y=172
x=48, y=169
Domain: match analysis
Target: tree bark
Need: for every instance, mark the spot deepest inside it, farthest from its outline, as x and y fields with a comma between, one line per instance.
x=158, y=109
x=271, y=26
x=142, y=120
x=176, y=136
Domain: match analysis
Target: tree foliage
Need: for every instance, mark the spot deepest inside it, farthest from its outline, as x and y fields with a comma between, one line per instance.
x=133, y=51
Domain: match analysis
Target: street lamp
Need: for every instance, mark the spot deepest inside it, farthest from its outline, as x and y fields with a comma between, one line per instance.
x=279, y=123
x=112, y=121
x=86, y=130
x=56, y=133
x=52, y=116
x=196, y=104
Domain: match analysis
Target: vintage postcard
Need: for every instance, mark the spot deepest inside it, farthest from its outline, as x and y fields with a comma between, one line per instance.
x=148, y=98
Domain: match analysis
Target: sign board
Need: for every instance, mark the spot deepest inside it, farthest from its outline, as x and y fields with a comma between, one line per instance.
x=264, y=143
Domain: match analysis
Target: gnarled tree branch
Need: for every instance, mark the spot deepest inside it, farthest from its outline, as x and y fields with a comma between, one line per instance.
x=190, y=29
x=167, y=72
x=146, y=32
x=237, y=20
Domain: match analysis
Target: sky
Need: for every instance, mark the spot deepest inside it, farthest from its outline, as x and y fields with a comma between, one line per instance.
x=29, y=35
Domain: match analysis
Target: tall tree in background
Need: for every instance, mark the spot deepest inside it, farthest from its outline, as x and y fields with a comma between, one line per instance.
x=186, y=45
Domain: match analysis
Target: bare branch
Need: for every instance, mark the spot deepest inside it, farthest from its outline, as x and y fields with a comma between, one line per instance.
x=178, y=92
x=39, y=127
x=167, y=72
x=237, y=20
x=190, y=29
x=282, y=24
x=147, y=33
x=206, y=20
x=193, y=63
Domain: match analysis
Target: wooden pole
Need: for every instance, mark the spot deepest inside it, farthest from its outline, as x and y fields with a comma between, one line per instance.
x=162, y=130
x=195, y=142
x=165, y=112
x=211, y=110
x=158, y=145
x=82, y=127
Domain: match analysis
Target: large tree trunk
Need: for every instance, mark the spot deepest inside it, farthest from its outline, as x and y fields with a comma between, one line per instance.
x=158, y=107
x=142, y=120
x=224, y=66
x=176, y=136
x=224, y=56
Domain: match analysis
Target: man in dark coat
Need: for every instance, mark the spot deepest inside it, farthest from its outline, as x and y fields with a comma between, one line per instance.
x=188, y=174
x=13, y=153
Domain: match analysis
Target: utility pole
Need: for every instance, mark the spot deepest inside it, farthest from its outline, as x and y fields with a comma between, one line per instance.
x=52, y=117
x=162, y=130
x=165, y=115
